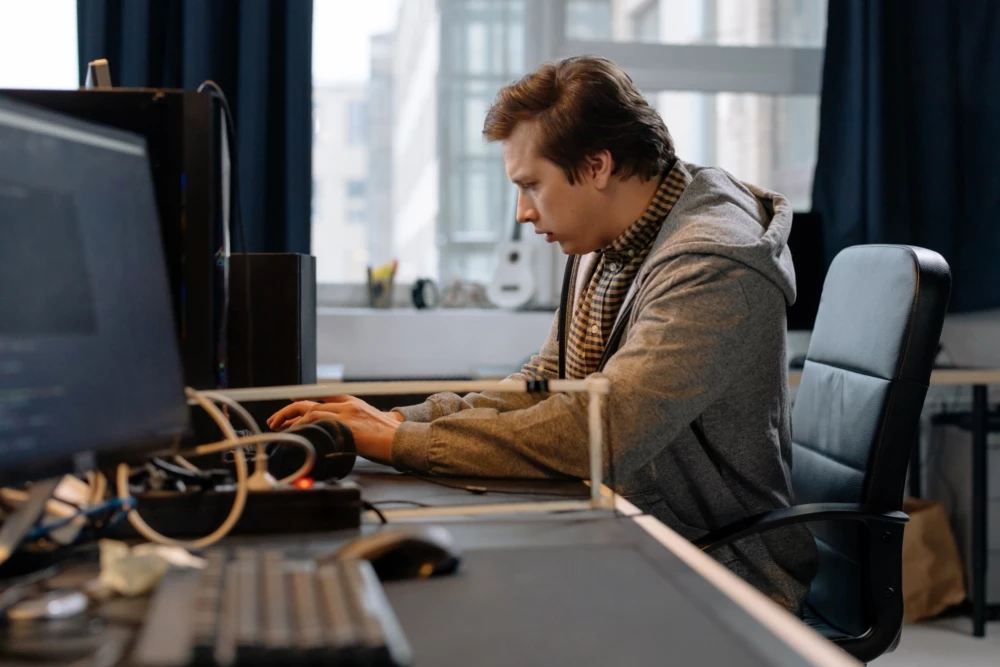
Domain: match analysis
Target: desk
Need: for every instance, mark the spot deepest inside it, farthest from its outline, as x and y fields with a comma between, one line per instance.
x=581, y=588
x=629, y=573
x=979, y=379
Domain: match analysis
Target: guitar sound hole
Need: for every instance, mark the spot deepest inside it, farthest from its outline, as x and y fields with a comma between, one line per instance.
x=513, y=257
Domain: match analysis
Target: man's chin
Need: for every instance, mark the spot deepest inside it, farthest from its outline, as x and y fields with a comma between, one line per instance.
x=574, y=248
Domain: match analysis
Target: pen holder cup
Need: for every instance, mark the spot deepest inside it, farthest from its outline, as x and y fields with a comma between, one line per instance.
x=379, y=291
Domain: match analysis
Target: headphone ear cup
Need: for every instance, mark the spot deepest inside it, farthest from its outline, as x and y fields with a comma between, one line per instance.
x=337, y=460
x=335, y=452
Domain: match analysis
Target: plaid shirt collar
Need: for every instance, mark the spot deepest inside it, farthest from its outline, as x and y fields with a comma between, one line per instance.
x=642, y=232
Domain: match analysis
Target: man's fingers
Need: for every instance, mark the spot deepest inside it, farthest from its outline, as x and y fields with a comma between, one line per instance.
x=290, y=412
x=315, y=416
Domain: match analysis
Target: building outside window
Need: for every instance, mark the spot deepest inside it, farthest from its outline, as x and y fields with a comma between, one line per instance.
x=737, y=82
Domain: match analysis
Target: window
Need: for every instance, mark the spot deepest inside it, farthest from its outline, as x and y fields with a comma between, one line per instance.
x=401, y=89
x=646, y=22
x=356, y=204
x=762, y=139
x=38, y=45
x=588, y=19
x=357, y=122
x=736, y=81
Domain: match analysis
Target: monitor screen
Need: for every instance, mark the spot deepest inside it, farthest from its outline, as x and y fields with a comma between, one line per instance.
x=89, y=366
x=806, y=245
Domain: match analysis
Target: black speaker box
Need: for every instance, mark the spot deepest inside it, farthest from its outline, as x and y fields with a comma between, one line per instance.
x=274, y=343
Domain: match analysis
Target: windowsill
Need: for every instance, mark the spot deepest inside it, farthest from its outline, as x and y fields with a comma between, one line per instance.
x=406, y=343
x=360, y=311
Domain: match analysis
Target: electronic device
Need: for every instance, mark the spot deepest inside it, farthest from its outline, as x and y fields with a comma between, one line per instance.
x=90, y=373
x=335, y=452
x=263, y=608
x=197, y=512
x=806, y=245
x=407, y=553
x=275, y=343
x=513, y=283
x=188, y=154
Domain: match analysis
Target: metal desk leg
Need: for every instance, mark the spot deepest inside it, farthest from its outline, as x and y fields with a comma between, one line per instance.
x=979, y=508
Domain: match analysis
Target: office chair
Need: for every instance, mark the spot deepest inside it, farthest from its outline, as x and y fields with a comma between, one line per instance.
x=854, y=423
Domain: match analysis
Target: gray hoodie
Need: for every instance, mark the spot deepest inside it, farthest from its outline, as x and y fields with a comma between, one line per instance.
x=698, y=415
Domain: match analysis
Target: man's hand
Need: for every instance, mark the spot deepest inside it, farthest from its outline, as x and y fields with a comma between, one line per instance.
x=373, y=430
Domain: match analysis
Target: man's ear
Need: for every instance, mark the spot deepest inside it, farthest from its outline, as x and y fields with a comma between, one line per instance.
x=599, y=167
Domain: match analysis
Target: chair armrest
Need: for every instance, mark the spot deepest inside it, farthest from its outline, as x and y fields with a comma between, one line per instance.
x=797, y=514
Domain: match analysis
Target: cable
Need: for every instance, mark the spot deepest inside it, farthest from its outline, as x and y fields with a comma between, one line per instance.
x=226, y=445
x=412, y=503
x=98, y=485
x=370, y=506
x=261, y=456
x=184, y=463
x=87, y=512
x=483, y=490
x=237, y=215
x=239, y=501
x=250, y=422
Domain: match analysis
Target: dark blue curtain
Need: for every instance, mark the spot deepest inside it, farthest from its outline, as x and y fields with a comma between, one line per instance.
x=909, y=139
x=260, y=53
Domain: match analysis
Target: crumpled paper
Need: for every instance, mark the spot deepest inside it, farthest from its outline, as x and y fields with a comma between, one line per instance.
x=134, y=571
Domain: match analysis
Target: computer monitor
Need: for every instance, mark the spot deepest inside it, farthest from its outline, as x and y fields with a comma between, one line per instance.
x=184, y=134
x=89, y=367
x=809, y=259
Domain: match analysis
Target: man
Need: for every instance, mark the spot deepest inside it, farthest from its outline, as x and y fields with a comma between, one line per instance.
x=676, y=293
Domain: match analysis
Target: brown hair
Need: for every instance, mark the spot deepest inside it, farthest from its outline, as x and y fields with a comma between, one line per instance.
x=584, y=105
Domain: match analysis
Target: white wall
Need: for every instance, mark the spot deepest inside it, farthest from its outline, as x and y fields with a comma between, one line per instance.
x=408, y=343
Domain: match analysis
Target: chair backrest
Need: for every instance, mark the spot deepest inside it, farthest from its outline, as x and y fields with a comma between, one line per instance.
x=856, y=418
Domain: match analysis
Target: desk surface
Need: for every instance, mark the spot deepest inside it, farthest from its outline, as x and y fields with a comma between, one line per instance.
x=561, y=582
x=570, y=588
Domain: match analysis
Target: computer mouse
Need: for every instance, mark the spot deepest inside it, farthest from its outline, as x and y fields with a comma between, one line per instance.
x=404, y=553
x=335, y=452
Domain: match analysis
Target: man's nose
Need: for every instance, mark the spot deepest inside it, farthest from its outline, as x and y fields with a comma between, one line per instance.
x=526, y=212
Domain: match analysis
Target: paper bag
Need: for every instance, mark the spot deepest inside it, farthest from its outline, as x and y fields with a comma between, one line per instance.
x=932, y=569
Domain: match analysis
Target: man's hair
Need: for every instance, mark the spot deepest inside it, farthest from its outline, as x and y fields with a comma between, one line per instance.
x=581, y=106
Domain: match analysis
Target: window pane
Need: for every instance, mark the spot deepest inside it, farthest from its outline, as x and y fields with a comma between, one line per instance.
x=474, y=265
x=765, y=140
x=401, y=90
x=588, y=19
x=38, y=44
x=721, y=22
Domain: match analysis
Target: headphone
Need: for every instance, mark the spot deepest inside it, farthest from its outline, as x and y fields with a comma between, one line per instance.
x=335, y=452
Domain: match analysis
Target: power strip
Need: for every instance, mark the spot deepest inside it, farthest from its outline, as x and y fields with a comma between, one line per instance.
x=191, y=514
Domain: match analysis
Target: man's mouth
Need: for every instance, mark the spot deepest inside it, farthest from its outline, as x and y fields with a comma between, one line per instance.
x=549, y=236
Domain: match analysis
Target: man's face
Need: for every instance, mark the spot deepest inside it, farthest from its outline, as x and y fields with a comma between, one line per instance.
x=568, y=214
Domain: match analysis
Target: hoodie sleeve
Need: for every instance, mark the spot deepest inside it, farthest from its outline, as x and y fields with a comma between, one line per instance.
x=689, y=336
x=545, y=364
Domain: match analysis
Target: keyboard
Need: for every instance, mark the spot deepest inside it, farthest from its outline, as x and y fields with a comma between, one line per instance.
x=256, y=607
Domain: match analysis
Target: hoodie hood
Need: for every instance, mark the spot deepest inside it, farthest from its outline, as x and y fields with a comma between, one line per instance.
x=720, y=215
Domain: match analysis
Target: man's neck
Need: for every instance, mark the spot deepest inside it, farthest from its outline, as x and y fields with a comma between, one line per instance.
x=631, y=200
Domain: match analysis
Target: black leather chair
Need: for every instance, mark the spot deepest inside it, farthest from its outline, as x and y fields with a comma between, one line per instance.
x=854, y=424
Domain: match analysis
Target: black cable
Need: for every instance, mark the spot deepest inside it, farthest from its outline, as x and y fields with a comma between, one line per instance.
x=483, y=490
x=414, y=503
x=236, y=217
x=370, y=506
